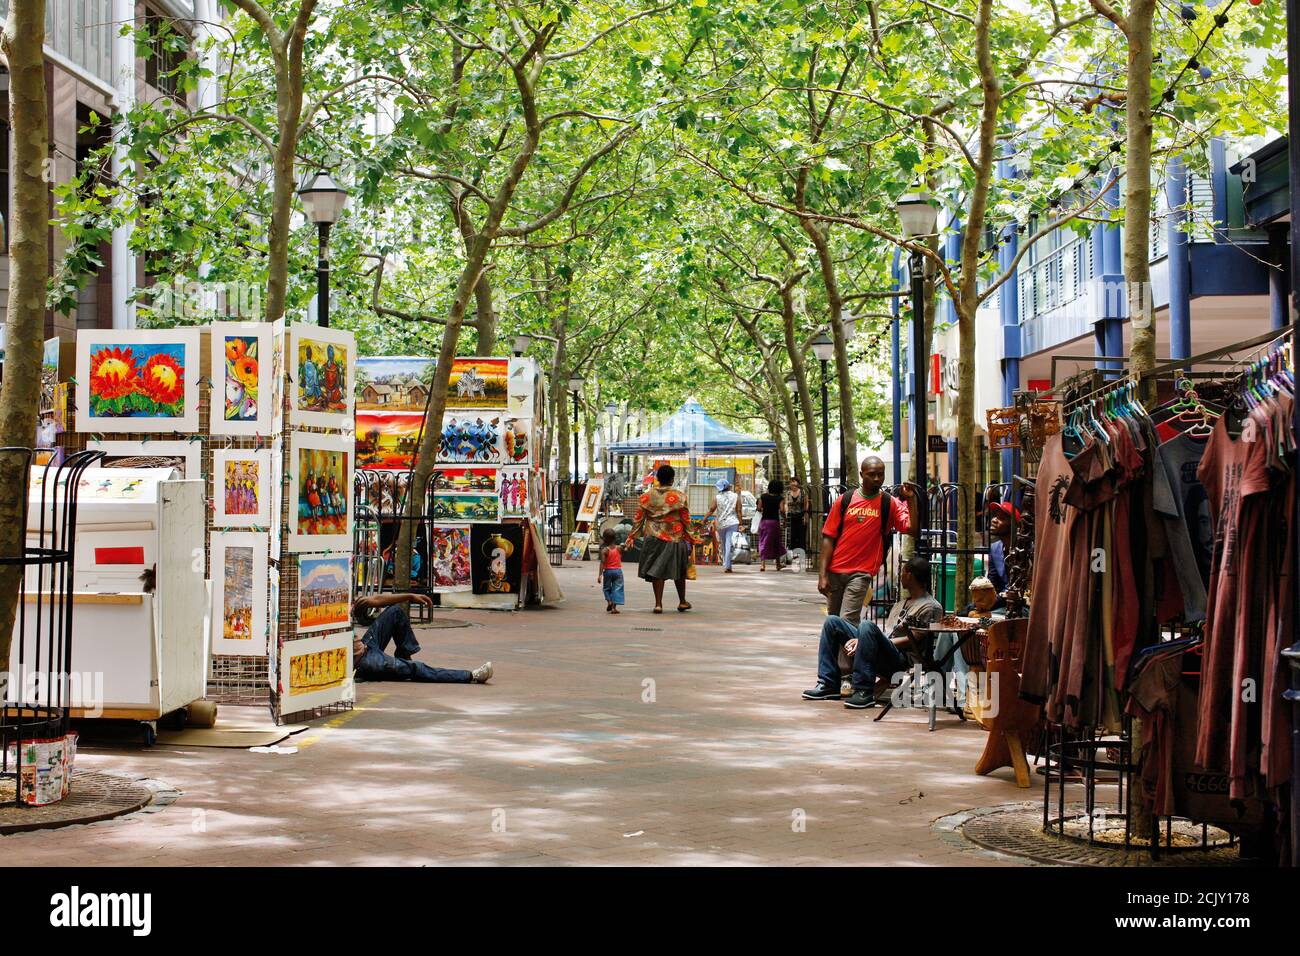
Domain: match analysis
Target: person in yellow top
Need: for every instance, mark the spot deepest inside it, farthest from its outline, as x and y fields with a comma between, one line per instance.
x=663, y=517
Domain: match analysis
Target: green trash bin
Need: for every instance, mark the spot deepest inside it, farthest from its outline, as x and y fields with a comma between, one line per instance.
x=948, y=595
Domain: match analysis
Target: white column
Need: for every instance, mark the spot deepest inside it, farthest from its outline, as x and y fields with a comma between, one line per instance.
x=124, y=83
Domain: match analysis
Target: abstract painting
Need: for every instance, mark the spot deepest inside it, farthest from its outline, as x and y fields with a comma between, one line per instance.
x=241, y=488
x=478, y=383
x=469, y=508
x=243, y=393
x=497, y=558
x=387, y=440
x=239, y=583
x=324, y=592
x=315, y=671
x=516, y=440
x=138, y=380
x=514, y=491
x=470, y=439
x=456, y=479
x=449, y=561
x=398, y=384
x=323, y=371
x=320, y=480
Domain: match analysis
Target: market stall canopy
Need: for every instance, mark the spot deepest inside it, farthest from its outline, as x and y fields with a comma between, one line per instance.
x=692, y=431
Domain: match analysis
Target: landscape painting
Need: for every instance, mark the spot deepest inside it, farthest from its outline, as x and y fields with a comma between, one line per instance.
x=387, y=440
x=485, y=507
x=453, y=479
x=478, y=383
x=239, y=588
x=138, y=380
x=324, y=591
x=398, y=384
x=315, y=671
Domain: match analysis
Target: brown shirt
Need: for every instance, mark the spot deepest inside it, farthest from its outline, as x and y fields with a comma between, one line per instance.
x=1054, y=520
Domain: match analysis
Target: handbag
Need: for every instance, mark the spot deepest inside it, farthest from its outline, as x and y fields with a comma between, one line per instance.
x=690, y=564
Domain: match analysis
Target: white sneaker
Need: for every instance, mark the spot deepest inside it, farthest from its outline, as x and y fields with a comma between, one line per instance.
x=482, y=674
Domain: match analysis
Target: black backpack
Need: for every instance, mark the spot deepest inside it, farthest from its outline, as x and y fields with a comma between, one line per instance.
x=886, y=514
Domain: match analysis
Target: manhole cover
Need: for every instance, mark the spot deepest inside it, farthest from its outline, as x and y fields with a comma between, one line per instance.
x=656, y=629
x=1017, y=829
x=444, y=622
x=93, y=796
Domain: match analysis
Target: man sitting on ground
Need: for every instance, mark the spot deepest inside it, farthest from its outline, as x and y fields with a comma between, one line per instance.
x=873, y=653
x=370, y=663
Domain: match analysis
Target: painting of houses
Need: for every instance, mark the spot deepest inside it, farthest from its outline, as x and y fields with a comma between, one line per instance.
x=399, y=384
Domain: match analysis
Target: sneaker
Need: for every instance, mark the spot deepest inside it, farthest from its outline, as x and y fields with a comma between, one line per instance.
x=482, y=674
x=822, y=692
x=861, y=700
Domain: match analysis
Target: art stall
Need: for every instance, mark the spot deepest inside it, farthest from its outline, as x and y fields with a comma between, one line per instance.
x=701, y=450
x=478, y=541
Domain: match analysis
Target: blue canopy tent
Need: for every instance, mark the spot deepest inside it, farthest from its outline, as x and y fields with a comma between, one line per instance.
x=691, y=432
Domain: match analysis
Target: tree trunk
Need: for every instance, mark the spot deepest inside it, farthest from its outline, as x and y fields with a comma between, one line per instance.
x=835, y=306
x=800, y=368
x=21, y=45
x=485, y=318
x=1137, y=194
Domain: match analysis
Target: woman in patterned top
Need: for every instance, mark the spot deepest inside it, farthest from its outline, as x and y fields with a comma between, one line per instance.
x=664, y=518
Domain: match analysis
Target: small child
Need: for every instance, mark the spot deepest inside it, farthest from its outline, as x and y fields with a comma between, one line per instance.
x=611, y=571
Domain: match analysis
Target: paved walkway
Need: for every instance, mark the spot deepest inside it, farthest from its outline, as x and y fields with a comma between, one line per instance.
x=674, y=739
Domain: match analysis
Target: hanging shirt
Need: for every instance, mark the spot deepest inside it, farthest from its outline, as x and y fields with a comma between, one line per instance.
x=1180, y=498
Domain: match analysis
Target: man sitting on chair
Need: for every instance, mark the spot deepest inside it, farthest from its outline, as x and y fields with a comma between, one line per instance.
x=370, y=663
x=873, y=653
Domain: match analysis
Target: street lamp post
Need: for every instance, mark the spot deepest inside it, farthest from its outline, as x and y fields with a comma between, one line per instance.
x=611, y=413
x=919, y=216
x=824, y=349
x=323, y=201
x=575, y=386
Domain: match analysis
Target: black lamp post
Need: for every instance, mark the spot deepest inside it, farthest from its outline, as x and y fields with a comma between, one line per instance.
x=824, y=349
x=324, y=201
x=575, y=386
x=919, y=216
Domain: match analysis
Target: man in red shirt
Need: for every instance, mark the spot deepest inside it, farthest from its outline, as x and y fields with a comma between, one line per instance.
x=853, y=540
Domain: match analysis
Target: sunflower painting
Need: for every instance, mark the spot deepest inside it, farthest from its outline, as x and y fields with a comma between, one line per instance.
x=138, y=381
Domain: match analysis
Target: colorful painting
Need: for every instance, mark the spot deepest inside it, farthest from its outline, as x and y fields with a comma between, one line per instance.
x=138, y=380
x=449, y=561
x=315, y=672
x=324, y=592
x=467, y=507
x=579, y=541
x=241, y=488
x=387, y=440
x=455, y=479
x=323, y=376
x=478, y=383
x=514, y=491
x=239, y=588
x=399, y=384
x=516, y=440
x=242, y=389
x=49, y=374
x=497, y=558
x=321, y=479
x=591, y=497
x=471, y=439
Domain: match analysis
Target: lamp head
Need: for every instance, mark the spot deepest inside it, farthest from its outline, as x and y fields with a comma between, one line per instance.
x=917, y=214
x=323, y=199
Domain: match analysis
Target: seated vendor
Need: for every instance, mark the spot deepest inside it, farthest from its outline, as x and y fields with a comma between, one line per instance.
x=873, y=653
x=1003, y=518
x=370, y=663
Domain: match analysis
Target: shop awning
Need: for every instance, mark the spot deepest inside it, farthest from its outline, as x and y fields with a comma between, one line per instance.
x=691, y=431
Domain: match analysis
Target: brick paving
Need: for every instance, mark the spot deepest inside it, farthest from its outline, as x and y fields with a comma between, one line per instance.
x=639, y=739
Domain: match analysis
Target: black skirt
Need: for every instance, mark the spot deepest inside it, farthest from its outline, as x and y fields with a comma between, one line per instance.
x=662, y=560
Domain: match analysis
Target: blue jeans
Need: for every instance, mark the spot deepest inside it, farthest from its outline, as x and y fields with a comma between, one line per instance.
x=728, y=536
x=875, y=655
x=393, y=625
x=612, y=585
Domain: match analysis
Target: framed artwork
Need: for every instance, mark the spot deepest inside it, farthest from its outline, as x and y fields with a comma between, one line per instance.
x=191, y=452
x=387, y=440
x=398, y=384
x=449, y=561
x=324, y=592
x=276, y=493
x=49, y=373
x=457, y=479
x=323, y=373
x=513, y=489
x=468, y=508
x=470, y=439
x=138, y=380
x=496, y=558
x=320, y=483
x=243, y=363
x=522, y=387
x=277, y=376
x=577, y=548
x=478, y=383
x=517, y=441
x=241, y=488
x=591, y=497
x=239, y=591
x=315, y=671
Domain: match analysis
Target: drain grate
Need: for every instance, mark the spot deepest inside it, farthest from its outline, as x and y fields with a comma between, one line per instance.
x=446, y=622
x=93, y=796
x=1017, y=829
x=655, y=629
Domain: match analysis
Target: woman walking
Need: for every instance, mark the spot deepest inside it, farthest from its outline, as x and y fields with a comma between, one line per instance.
x=772, y=506
x=795, y=505
x=663, y=516
x=726, y=506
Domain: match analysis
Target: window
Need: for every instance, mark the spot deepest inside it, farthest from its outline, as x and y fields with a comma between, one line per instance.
x=168, y=47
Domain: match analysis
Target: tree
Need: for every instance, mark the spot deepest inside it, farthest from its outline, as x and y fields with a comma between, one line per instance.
x=21, y=50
